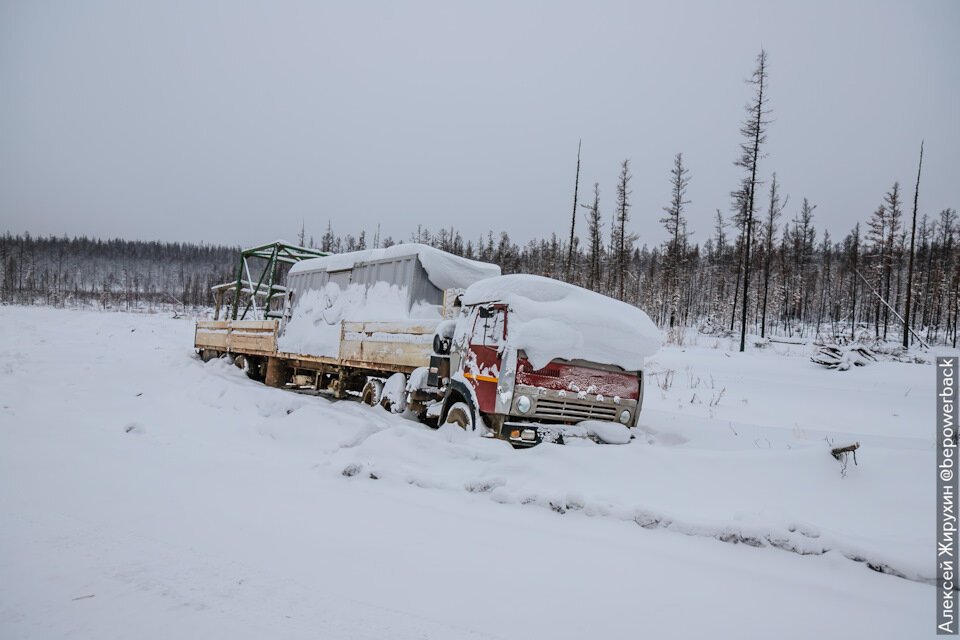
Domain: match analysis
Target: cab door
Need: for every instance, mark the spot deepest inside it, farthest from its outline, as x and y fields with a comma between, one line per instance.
x=482, y=368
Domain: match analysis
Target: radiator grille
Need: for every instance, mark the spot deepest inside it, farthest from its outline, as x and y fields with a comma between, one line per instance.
x=574, y=410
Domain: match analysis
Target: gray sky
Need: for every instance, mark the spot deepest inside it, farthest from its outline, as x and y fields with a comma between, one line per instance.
x=230, y=122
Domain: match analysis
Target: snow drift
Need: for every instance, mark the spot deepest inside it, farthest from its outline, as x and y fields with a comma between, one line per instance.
x=155, y=496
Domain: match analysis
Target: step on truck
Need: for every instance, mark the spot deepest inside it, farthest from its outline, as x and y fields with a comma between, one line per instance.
x=410, y=328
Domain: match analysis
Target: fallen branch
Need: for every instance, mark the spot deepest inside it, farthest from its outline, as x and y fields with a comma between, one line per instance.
x=887, y=304
x=840, y=453
x=843, y=358
x=782, y=340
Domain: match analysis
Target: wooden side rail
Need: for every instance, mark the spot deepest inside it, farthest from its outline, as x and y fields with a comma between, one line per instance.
x=403, y=344
x=240, y=336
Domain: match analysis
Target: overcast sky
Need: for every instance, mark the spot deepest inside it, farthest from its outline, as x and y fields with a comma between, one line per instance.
x=232, y=122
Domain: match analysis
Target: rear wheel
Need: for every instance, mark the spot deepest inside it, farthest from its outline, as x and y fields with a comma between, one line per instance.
x=394, y=393
x=372, y=391
x=255, y=368
x=461, y=415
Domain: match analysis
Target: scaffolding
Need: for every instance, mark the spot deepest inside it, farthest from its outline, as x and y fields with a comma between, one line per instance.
x=265, y=298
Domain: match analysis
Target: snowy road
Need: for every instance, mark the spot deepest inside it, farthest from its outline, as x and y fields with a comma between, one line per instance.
x=147, y=495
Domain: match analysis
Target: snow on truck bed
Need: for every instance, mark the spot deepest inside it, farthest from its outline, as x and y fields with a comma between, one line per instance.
x=314, y=325
x=149, y=495
x=551, y=319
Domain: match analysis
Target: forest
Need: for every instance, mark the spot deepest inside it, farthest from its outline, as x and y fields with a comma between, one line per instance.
x=804, y=283
x=110, y=274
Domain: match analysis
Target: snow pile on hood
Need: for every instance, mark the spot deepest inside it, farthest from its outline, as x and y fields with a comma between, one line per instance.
x=314, y=325
x=445, y=270
x=550, y=319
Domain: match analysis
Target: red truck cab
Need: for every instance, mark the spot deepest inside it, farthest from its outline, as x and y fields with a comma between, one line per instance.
x=526, y=404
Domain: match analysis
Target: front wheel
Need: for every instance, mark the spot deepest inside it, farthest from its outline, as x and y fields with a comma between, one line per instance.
x=461, y=415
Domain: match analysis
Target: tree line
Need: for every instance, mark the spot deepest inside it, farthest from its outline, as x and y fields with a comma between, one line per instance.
x=63, y=271
x=808, y=284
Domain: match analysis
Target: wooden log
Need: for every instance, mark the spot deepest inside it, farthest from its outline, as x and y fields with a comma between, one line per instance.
x=781, y=340
x=850, y=448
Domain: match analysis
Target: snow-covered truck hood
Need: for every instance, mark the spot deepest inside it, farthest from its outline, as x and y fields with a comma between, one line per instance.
x=550, y=319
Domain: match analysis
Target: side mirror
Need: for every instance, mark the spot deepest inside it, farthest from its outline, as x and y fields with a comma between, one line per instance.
x=441, y=346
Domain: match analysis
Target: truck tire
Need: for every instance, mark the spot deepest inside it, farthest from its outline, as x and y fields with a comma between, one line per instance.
x=372, y=391
x=255, y=368
x=461, y=415
x=393, y=395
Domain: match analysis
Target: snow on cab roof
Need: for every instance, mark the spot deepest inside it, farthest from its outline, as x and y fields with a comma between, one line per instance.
x=445, y=270
x=552, y=319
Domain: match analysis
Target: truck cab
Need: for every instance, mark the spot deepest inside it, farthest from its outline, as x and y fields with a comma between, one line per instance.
x=527, y=400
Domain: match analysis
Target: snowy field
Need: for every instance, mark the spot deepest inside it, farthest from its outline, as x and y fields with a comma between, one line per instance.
x=144, y=494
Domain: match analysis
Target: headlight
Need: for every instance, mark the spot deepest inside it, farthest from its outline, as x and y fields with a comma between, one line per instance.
x=625, y=417
x=523, y=404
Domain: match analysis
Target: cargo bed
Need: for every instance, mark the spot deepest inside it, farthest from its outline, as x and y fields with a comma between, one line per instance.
x=386, y=347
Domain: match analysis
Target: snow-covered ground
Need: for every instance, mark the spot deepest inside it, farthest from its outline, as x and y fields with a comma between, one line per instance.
x=144, y=494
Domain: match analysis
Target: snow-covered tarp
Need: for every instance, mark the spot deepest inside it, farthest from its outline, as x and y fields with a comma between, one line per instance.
x=445, y=270
x=314, y=325
x=550, y=319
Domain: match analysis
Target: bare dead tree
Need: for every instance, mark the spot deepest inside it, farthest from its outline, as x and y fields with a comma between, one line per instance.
x=770, y=229
x=754, y=133
x=854, y=265
x=877, y=238
x=676, y=226
x=622, y=216
x=595, y=232
x=892, y=203
x=573, y=217
x=913, y=235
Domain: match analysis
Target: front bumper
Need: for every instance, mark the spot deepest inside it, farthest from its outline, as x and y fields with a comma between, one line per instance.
x=528, y=434
x=555, y=415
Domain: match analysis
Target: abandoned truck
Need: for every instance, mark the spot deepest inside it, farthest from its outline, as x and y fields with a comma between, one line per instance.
x=411, y=328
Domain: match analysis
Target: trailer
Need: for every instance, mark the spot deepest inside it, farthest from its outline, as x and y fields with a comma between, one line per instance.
x=524, y=358
x=343, y=355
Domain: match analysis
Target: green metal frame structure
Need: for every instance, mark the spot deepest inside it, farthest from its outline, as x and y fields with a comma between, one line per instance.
x=273, y=254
